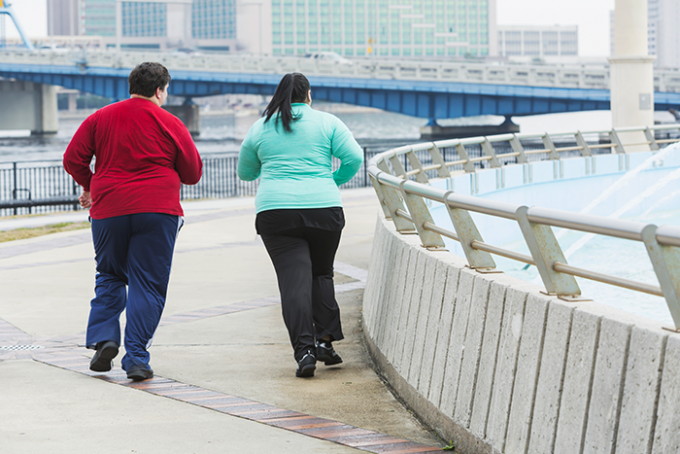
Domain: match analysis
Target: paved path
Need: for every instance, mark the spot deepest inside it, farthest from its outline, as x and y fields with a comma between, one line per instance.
x=224, y=367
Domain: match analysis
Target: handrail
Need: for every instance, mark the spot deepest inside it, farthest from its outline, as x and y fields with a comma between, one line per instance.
x=404, y=201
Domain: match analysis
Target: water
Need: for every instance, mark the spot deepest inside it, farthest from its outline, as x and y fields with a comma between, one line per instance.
x=219, y=134
x=224, y=133
x=626, y=180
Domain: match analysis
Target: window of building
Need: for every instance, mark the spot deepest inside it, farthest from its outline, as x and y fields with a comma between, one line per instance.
x=550, y=43
x=513, y=43
x=532, y=43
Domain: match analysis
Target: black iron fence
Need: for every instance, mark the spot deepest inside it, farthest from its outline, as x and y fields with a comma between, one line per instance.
x=43, y=187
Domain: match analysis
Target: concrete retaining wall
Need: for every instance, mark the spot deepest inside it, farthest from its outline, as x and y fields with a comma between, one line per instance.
x=498, y=367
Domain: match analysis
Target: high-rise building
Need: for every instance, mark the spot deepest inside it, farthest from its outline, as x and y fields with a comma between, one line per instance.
x=63, y=17
x=162, y=24
x=537, y=42
x=663, y=32
x=384, y=28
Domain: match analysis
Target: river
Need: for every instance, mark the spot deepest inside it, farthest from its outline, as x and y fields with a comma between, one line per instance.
x=223, y=133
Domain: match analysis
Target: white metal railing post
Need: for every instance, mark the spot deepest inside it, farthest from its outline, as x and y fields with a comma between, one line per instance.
x=585, y=149
x=549, y=145
x=649, y=134
x=467, y=233
x=381, y=196
x=462, y=154
x=382, y=165
x=398, y=167
x=488, y=150
x=545, y=251
x=614, y=138
x=437, y=158
x=666, y=264
x=421, y=177
x=518, y=148
x=421, y=216
x=393, y=204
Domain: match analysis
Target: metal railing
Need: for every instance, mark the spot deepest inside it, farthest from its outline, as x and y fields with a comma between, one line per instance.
x=45, y=187
x=548, y=75
x=402, y=201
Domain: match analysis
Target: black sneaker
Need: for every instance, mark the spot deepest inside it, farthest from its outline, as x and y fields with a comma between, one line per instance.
x=307, y=365
x=326, y=353
x=138, y=373
x=102, y=361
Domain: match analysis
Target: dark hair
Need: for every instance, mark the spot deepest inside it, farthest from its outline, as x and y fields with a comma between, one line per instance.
x=292, y=88
x=147, y=77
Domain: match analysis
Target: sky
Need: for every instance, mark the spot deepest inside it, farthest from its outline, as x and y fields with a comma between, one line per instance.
x=591, y=16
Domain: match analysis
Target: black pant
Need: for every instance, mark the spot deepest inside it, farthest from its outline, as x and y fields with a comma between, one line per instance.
x=303, y=258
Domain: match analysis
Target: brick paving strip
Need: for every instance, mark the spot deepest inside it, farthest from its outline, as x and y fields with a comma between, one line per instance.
x=325, y=429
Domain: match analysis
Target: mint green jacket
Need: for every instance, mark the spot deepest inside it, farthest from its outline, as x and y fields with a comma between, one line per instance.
x=295, y=167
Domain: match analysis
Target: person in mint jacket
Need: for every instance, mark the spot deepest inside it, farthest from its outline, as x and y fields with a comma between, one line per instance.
x=299, y=211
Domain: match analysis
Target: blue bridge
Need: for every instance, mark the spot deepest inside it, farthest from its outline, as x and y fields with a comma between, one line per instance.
x=432, y=90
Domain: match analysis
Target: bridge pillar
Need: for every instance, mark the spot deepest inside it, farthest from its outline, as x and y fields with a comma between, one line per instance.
x=27, y=105
x=631, y=73
x=433, y=131
x=189, y=115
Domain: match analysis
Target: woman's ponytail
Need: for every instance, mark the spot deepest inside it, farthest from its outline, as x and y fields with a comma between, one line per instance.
x=293, y=88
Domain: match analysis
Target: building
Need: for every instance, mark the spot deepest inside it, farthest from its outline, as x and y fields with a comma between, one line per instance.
x=663, y=32
x=384, y=28
x=159, y=24
x=63, y=17
x=537, y=42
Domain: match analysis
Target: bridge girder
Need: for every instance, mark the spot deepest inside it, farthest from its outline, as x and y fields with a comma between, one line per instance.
x=432, y=100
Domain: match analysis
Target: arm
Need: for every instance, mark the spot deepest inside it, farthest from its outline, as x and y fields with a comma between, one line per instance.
x=348, y=151
x=188, y=162
x=249, y=164
x=78, y=154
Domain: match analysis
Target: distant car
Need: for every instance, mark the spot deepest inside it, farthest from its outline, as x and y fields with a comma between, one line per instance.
x=330, y=57
x=186, y=51
x=53, y=48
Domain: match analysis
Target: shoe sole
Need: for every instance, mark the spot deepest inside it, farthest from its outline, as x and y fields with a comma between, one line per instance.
x=329, y=360
x=141, y=375
x=103, y=363
x=307, y=371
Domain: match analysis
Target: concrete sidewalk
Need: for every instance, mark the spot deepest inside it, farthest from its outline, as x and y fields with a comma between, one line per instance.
x=225, y=370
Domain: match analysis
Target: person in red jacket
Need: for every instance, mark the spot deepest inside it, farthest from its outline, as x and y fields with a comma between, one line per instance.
x=142, y=155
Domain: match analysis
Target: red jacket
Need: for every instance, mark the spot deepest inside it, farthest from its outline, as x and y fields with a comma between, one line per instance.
x=142, y=153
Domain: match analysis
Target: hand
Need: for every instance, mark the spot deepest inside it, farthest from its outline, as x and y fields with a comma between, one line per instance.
x=85, y=199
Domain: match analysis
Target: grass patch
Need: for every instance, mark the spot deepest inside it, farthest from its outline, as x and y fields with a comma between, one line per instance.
x=22, y=234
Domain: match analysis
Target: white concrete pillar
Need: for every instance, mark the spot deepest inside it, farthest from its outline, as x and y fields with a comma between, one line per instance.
x=48, y=122
x=27, y=105
x=631, y=72
x=190, y=116
x=72, y=102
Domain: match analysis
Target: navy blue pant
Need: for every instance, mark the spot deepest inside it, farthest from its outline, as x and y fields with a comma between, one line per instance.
x=133, y=251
